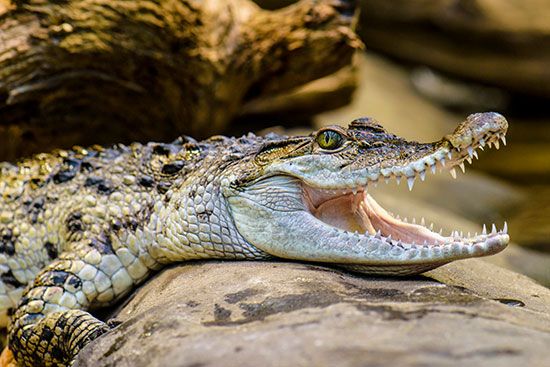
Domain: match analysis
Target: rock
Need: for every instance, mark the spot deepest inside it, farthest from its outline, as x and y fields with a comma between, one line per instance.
x=499, y=43
x=291, y=314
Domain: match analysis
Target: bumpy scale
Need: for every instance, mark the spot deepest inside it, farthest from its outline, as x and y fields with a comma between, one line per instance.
x=79, y=229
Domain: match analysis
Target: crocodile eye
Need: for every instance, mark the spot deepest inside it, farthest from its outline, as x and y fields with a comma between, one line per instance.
x=329, y=139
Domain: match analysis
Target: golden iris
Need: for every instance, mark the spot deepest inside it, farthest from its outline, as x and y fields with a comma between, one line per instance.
x=329, y=139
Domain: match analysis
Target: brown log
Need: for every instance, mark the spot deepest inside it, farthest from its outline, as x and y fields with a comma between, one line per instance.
x=104, y=71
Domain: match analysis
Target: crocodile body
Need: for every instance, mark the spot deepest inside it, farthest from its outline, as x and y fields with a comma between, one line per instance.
x=79, y=229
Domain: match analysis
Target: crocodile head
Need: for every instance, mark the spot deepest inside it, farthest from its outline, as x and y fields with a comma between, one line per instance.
x=307, y=198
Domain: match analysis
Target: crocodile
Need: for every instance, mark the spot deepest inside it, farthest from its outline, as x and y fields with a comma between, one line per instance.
x=81, y=228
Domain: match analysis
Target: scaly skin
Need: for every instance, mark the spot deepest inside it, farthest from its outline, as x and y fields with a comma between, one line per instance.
x=79, y=229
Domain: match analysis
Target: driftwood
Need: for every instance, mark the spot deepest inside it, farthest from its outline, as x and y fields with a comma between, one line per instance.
x=104, y=71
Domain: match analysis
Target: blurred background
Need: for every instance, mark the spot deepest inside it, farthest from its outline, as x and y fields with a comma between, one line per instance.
x=426, y=65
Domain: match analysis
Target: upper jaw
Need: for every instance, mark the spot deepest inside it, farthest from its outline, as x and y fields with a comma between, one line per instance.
x=329, y=173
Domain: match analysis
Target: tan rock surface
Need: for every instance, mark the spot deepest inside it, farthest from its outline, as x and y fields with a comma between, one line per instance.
x=290, y=314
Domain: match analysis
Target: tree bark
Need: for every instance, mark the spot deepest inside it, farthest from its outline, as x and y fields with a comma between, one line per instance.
x=105, y=71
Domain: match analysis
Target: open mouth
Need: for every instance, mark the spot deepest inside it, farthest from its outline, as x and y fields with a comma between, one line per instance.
x=356, y=211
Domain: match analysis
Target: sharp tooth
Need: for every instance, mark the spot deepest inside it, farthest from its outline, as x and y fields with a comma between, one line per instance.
x=398, y=179
x=452, y=171
x=461, y=234
x=484, y=231
x=432, y=167
x=471, y=151
x=410, y=182
x=405, y=220
x=414, y=220
x=422, y=175
x=469, y=159
x=475, y=155
x=386, y=180
x=482, y=142
x=468, y=234
x=431, y=226
x=462, y=167
x=354, y=191
x=475, y=235
x=503, y=140
x=497, y=145
x=450, y=155
x=378, y=234
x=505, y=229
x=388, y=239
x=422, y=222
x=356, y=233
x=489, y=144
x=441, y=231
x=480, y=147
x=493, y=229
x=442, y=161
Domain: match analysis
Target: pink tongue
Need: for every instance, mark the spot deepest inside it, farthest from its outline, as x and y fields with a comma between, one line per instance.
x=338, y=213
x=371, y=212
